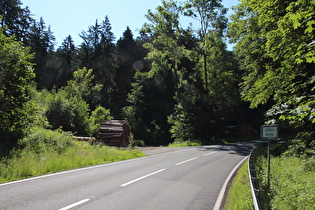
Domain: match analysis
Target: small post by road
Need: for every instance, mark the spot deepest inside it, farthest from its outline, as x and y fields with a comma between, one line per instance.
x=269, y=132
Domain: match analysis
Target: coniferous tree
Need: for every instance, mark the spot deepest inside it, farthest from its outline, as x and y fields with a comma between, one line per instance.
x=152, y=98
x=15, y=18
x=40, y=40
x=128, y=55
x=66, y=55
x=98, y=52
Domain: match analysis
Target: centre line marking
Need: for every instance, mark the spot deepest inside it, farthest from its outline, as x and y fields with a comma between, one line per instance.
x=75, y=204
x=143, y=177
x=209, y=153
x=186, y=161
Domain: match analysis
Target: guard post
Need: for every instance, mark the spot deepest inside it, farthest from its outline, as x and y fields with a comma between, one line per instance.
x=269, y=132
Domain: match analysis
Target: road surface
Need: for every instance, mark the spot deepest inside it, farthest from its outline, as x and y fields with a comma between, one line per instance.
x=191, y=178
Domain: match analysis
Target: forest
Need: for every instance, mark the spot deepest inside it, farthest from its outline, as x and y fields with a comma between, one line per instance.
x=171, y=83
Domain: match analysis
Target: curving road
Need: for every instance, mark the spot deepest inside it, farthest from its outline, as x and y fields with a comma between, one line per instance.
x=190, y=178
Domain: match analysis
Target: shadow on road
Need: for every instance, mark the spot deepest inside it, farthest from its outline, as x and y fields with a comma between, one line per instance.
x=242, y=148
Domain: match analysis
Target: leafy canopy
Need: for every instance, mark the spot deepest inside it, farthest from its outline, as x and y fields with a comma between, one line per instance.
x=16, y=72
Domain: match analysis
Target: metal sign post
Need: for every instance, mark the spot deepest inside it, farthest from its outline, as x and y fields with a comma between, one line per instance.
x=269, y=132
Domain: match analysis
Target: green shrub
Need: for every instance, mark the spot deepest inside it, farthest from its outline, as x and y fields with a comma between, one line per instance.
x=184, y=144
x=100, y=114
x=301, y=148
x=41, y=140
x=292, y=182
x=27, y=162
x=70, y=113
x=139, y=143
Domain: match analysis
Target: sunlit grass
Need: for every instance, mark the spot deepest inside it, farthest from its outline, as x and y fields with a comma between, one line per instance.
x=239, y=195
x=184, y=144
x=292, y=181
x=27, y=163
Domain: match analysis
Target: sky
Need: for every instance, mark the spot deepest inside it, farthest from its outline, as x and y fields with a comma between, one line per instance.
x=71, y=17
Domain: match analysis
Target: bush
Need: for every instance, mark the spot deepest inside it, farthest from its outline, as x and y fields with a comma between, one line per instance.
x=27, y=163
x=292, y=183
x=292, y=180
x=301, y=148
x=184, y=144
x=69, y=113
x=42, y=140
x=100, y=114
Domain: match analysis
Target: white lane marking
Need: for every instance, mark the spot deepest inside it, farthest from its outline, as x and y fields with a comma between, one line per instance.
x=91, y=167
x=75, y=204
x=219, y=201
x=186, y=161
x=209, y=153
x=140, y=178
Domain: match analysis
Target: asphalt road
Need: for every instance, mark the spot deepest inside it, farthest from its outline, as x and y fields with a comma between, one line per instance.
x=191, y=178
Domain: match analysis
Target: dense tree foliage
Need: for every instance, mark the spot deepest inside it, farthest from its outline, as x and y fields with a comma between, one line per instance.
x=66, y=55
x=98, y=52
x=178, y=97
x=40, y=39
x=16, y=74
x=170, y=82
x=15, y=20
x=275, y=46
x=211, y=17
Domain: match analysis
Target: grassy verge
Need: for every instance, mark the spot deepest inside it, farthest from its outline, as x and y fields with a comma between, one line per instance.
x=239, y=195
x=28, y=163
x=292, y=182
x=184, y=144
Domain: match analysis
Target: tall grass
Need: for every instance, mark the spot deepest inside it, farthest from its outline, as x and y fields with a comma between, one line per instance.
x=28, y=163
x=292, y=182
x=44, y=151
x=184, y=144
x=239, y=196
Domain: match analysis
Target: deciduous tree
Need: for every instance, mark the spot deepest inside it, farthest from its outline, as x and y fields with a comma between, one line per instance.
x=275, y=46
x=16, y=74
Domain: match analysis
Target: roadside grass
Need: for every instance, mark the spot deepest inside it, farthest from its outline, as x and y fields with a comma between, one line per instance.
x=239, y=195
x=27, y=163
x=184, y=144
x=292, y=182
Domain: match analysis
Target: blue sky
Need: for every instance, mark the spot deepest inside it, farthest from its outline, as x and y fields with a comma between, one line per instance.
x=72, y=16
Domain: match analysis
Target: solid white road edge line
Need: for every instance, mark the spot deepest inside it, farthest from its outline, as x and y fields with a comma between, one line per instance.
x=186, y=161
x=218, y=203
x=143, y=177
x=75, y=204
x=88, y=168
x=209, y=153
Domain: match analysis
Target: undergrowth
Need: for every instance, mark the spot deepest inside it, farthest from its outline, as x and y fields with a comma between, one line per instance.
x=184, y=144
x=239, y=196
x=292, y=180
x=52, y=151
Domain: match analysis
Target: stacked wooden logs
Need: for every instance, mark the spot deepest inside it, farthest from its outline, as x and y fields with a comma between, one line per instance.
x=114, y=133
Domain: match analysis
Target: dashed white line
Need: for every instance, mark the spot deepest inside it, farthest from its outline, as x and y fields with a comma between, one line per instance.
x=75, y=204
x=209, y=153
x=186, y=161
x=143, y=177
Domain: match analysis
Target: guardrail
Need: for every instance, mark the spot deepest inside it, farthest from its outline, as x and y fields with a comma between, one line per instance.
x=259, y=191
